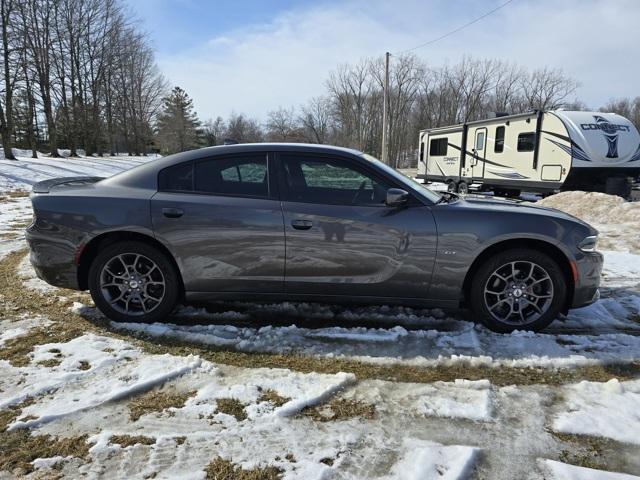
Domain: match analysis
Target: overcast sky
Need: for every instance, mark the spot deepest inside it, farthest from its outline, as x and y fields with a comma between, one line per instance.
x=254, y=56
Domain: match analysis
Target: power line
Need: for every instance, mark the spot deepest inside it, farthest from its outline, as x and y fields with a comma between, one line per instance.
x=430, y=42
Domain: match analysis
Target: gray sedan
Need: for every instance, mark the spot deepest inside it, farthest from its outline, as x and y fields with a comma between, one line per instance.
x=274, y=222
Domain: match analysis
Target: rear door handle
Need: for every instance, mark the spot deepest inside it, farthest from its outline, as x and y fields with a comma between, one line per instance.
x=301, y=224
x=172, y=212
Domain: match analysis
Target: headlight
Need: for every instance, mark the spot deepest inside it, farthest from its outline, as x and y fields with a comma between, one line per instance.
x=589, y=244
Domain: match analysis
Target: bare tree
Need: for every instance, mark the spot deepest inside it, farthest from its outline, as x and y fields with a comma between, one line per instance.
x=8, y=76
x=282, y=126
x=316, y=120
x=243, y=129
x=546, y=89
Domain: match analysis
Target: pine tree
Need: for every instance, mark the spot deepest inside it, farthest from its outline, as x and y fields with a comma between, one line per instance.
x=178, y=124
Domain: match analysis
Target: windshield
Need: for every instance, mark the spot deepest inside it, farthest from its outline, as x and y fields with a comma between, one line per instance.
x=430, y=194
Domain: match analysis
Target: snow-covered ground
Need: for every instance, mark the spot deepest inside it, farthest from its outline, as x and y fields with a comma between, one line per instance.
x=451, y=429
x=22, y=173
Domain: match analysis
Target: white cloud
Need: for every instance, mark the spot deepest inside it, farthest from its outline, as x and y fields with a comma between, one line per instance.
x=285, y=62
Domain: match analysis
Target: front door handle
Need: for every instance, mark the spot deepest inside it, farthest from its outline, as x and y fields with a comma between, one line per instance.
x=301, y=224
x=172, y=212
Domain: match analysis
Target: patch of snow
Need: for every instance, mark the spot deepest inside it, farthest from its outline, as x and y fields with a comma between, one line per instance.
x=44, y=463
x=472, y=400
x=29, y=278
x=424, y=460
x=602, y=409
x=22, y=173
x=564, y=471
x=621, y=269
x=121, y=381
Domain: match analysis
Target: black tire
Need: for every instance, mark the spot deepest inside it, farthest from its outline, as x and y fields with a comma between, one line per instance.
x=619, y=185
x=556, y=290
x=451, y=186
x=463, y=188
x=168, y=283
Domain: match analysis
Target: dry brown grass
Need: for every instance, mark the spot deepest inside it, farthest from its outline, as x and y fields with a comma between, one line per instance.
x=18, y=448
x=340, y=409
x=50, y=363
x=16, y=194
x=157, y=401
x=221, y=469
x=270, y=395
x=129, y=440
x=231, y=406
x=584, y=450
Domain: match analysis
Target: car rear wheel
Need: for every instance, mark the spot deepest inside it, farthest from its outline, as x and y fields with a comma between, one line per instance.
x=520, y=289
x=133, y=282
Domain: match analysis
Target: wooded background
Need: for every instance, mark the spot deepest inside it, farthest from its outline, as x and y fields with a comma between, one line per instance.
x=79, y=77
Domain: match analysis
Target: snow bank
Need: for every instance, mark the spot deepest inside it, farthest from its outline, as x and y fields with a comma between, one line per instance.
x=595, y=207
x=616, y=219
x=602, y=409
x=563, y=471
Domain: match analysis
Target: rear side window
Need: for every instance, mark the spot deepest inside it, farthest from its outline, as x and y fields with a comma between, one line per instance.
x=242, y=175
x=178, y=178
x=526, y=142
x=499, y=145
x=438, y=147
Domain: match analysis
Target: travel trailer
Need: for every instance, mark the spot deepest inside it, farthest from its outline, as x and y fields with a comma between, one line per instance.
x=539, y=151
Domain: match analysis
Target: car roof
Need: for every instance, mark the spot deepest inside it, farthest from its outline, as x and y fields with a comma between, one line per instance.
x=145, y=175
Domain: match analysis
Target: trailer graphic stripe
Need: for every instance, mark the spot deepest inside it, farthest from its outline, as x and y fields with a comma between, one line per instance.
x=473, y=155
x=581, y=154
x=577, y=153
x=508, y=174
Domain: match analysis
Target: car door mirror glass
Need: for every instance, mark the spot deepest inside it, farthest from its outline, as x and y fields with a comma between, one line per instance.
x=396, y=197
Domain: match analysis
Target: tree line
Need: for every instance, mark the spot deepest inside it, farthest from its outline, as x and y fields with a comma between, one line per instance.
x=76, y=74
x=79, y=75
x=349, y=111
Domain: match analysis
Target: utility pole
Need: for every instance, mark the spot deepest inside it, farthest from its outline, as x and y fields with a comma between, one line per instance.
x=385, y=111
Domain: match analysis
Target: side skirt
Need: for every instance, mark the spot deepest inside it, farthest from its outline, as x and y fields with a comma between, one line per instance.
x=203, y=298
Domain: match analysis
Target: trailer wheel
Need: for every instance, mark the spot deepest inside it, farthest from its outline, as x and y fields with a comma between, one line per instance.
x=619, y=185
x=463, y=188
x=451, y=186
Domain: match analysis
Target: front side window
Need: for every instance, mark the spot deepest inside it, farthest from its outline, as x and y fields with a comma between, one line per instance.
x=438, y=147
x=311, y=179
x=526, y=142
x=241, y=175
x=499, y=145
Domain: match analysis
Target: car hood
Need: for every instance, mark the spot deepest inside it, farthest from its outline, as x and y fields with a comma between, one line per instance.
x=516, y=206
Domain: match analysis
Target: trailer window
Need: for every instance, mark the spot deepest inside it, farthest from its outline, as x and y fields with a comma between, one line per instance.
x=499, y=144
x=422, y=151
x=480, y=141
x=438, y=147
x=526, y=142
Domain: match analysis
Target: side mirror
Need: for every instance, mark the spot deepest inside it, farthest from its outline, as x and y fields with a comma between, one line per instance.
x=396, y=197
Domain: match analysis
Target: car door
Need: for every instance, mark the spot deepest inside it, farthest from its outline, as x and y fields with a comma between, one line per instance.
x=222, y=220
x=342, y=239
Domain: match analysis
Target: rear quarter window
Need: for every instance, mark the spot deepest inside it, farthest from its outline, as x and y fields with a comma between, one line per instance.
x=178, y=178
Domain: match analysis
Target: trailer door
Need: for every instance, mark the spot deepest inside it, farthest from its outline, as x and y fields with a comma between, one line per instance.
x=479, y=150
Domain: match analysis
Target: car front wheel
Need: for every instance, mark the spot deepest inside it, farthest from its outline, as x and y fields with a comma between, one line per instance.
x=133, y=282
x=520, y=289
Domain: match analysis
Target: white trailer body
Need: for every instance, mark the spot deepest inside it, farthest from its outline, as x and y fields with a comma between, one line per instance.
x=538, y=151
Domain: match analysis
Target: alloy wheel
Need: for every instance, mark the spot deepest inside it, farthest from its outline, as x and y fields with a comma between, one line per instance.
x=518, y=293
x=132, y=284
